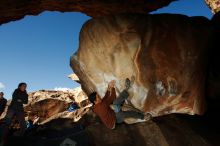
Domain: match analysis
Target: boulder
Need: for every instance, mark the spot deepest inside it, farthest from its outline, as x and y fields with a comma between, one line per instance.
x=170, y=130
x=49, y=105
x=167, y=55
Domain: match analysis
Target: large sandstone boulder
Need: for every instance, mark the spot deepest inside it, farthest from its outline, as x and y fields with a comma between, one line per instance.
x=213, y=78
x=165, y=53
x=49, y=105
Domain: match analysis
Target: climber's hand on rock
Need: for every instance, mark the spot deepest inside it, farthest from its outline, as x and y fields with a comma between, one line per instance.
x=111, y=84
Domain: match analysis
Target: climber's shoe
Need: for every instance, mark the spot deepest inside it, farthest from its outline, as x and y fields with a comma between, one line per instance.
x=116, y=108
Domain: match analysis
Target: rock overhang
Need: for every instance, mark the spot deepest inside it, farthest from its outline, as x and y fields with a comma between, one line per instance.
x=12, y=10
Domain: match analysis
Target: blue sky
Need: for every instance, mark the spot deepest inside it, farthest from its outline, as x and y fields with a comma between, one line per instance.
x=37, y=49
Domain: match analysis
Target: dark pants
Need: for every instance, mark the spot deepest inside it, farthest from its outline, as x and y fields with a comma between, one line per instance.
x=8, y=120
x=122, y=115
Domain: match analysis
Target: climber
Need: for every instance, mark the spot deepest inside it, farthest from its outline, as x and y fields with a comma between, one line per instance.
x=16, y=109
x=3, y=103
x=109, y=110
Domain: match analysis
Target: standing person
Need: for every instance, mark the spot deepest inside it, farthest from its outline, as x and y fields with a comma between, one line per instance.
x=3, y=103
x=16, y=108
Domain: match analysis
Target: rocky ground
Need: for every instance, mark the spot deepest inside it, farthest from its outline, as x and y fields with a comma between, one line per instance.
x=170, y=130
x=82, y=127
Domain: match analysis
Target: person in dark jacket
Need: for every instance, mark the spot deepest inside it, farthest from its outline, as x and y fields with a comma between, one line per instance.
x=16, y=109
x=19, y=98
x=3, y=103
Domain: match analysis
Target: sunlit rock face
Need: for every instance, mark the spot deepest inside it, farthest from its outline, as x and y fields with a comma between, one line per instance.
x=214, y=5
x=48, y=105
x=165, y=53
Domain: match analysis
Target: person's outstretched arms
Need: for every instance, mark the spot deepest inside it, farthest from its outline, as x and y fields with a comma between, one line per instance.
x=111, y=93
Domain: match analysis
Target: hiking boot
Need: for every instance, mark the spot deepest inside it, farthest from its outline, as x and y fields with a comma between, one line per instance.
x=127, y=83
x=116, y=108
x=147, y=116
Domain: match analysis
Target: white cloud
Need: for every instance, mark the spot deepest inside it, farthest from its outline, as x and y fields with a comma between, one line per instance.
x=61, y=89
x=2, y=86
